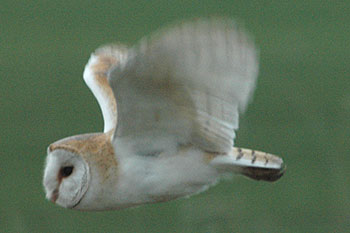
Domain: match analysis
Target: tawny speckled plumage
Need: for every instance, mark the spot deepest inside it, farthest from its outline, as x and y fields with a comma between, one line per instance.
x=96, y=149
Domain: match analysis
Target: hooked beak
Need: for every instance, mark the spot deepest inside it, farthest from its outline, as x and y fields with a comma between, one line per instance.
x=54, y=196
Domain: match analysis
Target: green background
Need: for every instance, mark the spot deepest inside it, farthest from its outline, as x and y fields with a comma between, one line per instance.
x=301, y=111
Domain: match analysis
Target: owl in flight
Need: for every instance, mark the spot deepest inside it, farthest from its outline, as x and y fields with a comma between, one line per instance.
x=170, y=106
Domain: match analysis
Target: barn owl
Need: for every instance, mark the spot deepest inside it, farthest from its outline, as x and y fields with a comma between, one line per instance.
x=170, y=106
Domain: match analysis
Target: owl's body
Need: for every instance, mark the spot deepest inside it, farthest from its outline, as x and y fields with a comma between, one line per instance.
x=170, y=107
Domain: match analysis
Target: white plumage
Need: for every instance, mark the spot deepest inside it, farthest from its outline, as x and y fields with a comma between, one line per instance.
x=170, y=106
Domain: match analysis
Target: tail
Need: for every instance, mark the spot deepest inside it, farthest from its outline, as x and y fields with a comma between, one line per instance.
x=253, y=164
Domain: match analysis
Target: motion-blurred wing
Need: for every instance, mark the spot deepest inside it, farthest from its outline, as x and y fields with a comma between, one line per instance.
x=185, y=85
x=95, y=76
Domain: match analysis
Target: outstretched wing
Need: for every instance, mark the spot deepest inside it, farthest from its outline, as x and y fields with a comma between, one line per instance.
x=185, y=85
x=95, y=76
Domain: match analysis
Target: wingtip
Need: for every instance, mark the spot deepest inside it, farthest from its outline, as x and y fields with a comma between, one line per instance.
x=111, y=50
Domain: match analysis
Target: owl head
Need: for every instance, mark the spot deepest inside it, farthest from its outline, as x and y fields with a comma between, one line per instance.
x=71, y=166
x=66, y=177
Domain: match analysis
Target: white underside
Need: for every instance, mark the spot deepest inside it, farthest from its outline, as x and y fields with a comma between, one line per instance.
x=148, y=179
x=164, y=177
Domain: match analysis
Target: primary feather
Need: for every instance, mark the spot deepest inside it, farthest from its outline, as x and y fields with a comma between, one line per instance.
x=185, y=85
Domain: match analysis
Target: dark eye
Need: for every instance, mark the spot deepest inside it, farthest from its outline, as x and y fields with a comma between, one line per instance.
x=66, y=171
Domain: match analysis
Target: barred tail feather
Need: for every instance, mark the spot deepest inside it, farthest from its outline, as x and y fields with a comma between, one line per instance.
x=253, y=164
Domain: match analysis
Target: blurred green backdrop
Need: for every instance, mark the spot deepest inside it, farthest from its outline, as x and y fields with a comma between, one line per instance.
x=301, y=111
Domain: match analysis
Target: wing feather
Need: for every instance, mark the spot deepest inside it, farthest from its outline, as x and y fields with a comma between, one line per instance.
x=95, y=76
x=185, y=85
